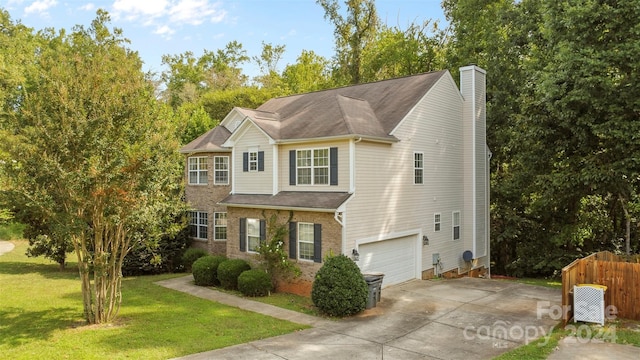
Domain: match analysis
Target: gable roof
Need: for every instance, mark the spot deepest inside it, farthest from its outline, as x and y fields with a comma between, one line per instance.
x=371, y=110
x=211, y=141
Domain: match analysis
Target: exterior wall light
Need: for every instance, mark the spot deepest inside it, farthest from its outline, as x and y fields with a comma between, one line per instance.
x=355, y=255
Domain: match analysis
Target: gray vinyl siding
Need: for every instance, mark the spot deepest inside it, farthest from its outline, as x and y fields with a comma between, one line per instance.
x=258, y=182
x=386, y=201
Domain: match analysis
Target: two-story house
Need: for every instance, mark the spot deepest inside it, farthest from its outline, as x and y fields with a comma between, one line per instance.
x=393, y=174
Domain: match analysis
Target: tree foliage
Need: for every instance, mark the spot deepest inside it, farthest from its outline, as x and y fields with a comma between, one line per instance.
x=583, y=114
x=353, y=34
x=309, y=73
x=91, y=156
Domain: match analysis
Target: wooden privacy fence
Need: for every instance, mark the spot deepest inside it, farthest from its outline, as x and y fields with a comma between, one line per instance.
x=619, y=275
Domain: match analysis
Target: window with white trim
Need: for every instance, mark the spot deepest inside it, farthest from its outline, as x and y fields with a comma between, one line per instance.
x=253, y=235
x=220, y=226
x=253, y=161
x=198, y=224
x=221, y=170
x=312, y=166
x=455, y=221
x=418, y=168
x=436, y=221
x=305, y=241
x=198, y=170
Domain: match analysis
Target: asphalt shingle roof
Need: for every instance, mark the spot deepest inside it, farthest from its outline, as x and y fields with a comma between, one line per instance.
x=290, y=199
x=211, y=141
x=372, y=109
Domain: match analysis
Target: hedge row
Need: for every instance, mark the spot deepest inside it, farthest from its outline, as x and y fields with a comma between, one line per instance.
x=231, y=274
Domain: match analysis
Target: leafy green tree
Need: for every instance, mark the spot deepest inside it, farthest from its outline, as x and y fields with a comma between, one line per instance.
x=353, y=34
x=91, y=156
x=268, y=64
x=499, y=35
x=18, y=47
x=396, y=52
x=584, y=111
x=218, y=103
x=188, y=76
x=192, y=121
x=311, y=72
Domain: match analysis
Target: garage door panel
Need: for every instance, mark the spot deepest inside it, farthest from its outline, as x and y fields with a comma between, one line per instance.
x=396, y=258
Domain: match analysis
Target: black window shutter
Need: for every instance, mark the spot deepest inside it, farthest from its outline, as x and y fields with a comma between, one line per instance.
x=260, y=160
x=333, y=166
x=243, y=234
x=293, y=240
x=317, y=243
x=245, y=161
x=292, y=167
x=263, y=231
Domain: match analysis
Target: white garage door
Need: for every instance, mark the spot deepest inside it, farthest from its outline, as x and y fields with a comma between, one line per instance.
x=396, y=258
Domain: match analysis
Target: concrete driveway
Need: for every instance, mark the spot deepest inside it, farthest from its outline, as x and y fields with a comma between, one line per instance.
x=463, y=318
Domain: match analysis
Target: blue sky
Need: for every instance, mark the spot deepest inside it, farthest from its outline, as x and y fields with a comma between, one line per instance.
x=158, y=27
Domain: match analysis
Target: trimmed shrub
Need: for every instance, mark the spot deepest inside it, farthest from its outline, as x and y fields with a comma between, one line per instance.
x=254, y=282
x=339, y=289
x=205, y=269
x=229, y=271
x=191, y=255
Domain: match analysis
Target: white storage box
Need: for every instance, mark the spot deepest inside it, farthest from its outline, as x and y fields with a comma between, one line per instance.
x=588, y=303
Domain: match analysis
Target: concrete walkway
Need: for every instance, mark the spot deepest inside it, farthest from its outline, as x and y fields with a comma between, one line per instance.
x=5, y=246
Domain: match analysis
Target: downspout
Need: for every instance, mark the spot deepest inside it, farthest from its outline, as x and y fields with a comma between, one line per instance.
x=352, y=189
x=488, y=219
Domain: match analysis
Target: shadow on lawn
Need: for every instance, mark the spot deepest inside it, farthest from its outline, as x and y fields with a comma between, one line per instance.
x=18, y=326
x=49, y=271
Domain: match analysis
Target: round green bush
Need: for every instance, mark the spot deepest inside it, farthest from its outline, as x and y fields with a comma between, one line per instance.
x=254, y=282
x=229, y=271
x=205, y=270
x=339, y=289
x=191, y=255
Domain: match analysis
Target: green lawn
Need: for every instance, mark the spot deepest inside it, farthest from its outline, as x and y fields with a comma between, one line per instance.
x=41, y=317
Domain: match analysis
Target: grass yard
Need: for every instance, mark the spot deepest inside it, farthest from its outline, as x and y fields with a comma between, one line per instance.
x=41, y=317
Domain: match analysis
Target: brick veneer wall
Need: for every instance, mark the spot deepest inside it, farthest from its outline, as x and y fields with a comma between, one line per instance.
x=331, y=239
x=205, y=198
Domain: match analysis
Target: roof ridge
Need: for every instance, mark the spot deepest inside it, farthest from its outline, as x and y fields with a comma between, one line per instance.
x=360, y=84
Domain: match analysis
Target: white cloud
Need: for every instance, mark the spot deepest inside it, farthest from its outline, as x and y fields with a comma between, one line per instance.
x=132, y=10
x=165, y=15
x=88, y=7
x=40, y=7
x=164, y=31
x=195, y=12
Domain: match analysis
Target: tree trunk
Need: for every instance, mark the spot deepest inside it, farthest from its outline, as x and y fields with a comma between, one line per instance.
x=627, y=219
x=79, y=243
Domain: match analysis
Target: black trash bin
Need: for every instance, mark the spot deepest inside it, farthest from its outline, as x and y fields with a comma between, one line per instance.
x=374, y=282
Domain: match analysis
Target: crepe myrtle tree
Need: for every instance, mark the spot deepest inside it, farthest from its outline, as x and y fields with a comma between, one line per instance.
x=92, y=155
